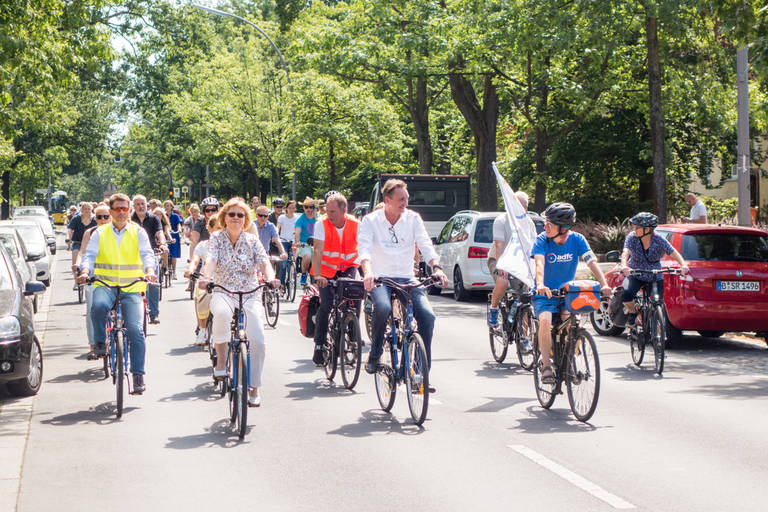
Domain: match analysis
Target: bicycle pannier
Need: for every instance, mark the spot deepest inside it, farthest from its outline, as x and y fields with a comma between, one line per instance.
x=310, y=302
x=582, y=296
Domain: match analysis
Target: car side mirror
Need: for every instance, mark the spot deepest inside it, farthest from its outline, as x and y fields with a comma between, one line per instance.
x=34, y=256
x=612, y=256
x=34, y=287
x=434, y=240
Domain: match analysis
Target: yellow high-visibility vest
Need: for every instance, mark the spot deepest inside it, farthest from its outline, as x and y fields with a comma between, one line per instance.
x=119, y=265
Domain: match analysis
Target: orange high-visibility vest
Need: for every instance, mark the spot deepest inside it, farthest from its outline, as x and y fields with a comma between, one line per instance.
x=339, y=254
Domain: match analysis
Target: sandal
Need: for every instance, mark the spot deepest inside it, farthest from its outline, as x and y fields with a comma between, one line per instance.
x=547, y=375
x=91, y=355
x=219, y=374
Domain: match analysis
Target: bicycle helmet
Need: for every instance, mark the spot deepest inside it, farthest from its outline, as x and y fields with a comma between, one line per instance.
x=561, y=214
x=209, y=201
x=329, y=194
x=645, y=220
x=278, y=201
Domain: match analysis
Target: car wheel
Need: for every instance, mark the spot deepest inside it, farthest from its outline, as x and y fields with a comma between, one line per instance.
x=711, y=334
x=30, y=385
x=674, y=335
x=601, y=321
x=459, y=292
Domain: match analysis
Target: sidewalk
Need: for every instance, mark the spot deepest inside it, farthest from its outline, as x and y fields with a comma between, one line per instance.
x=16, y=413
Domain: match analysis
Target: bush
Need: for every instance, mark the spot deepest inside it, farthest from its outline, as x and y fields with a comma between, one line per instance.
x=604, y=237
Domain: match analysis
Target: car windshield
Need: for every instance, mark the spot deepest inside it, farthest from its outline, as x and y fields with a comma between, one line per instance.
x=484, y=231
x=32, y=235
x=5, y=277
x=45, y=224
x=725, y=247
x=10, y=244
x=25, y=212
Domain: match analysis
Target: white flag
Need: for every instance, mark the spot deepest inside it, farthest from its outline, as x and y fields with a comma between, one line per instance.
x=516, y=258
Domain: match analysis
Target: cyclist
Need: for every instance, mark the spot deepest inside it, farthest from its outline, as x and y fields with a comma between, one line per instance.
x=503, y=233
x=286, y=224
x=202, y=297
x=386, y=241
x=154, y=228
x=75, y=229
x=199, y=231
x=101, y=215
x=277, y=205
x=174, y=247
x=267, y=233
x=303, y=233
x=116, y=254
x=334, y=255
x=194, y=214
x=233, y=261
x=557, y=251
x=166, y=223
x=643, y=250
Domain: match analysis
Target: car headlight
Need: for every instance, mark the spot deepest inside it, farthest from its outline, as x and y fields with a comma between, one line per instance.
x=9, y=327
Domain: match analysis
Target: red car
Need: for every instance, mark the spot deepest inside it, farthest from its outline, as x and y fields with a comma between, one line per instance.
x=726, y=290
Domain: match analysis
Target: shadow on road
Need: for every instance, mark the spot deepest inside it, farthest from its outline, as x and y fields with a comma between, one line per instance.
x=757, y=388
x=203, y=391
x=498, y=403
x=494, y=370
x=630, y=372
x=541, y=421
x=319, y=388
x=303, y=366
x=89, y=375
x=203, y=371
x=221, y=433
x=451, y=309
x=102, y=414
x=375, y=422
x=182, y=351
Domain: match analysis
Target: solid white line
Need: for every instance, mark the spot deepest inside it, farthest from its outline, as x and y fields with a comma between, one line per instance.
x=577, y=480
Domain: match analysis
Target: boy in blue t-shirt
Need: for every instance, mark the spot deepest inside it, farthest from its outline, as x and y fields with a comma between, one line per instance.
x=304, y=229
x=557, y=251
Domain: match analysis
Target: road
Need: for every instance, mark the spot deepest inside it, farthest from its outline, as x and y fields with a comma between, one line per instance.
x=692, y=440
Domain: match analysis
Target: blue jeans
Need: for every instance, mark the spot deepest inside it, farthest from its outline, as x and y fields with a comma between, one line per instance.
x=88, y=292
x=284, y=264
x=153, y=298
x=133, y=319
x=382, y=308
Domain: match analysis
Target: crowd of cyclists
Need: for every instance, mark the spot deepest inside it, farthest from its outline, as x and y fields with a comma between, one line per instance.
x=237, y=246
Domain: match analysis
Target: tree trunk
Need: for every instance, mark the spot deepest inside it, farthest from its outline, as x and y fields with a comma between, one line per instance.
x=656, y=118
x=419, y=109
x=540, y=200
x=5, y=191
x=482, y=120
x=331, y=166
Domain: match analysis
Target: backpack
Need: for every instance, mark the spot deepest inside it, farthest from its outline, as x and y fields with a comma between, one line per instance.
x=308, y=306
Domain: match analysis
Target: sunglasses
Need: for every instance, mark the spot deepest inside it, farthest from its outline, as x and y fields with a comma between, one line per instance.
x=233, y=215
x=123, y=209
x=309, y=207
x=102, y=216
x=211, y=210
x=263, y=215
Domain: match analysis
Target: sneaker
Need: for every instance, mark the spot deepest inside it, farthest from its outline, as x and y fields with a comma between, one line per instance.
x=189, y=287
x=317, y=357
x=153, y=320
x=100, y=348
x=138, y=384
x=303, y=280
x=493, y=317
x=372, y=365
x=173, y=276
x=202, y=335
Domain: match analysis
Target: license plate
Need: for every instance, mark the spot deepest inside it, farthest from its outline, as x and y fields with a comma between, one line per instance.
x=738, y=286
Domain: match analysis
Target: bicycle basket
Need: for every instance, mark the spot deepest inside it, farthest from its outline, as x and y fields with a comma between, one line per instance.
x=582, y=296
x=352, y=290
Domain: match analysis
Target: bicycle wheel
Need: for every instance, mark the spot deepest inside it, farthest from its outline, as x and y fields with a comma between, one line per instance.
x=290, y=282
x=271, y=301
x=160, y=289
x=544, y=392
x=384, y=379
x=146, y=319
x=658, y=337
x=193, y=283
x=637, y=345
x=241, y=395
x=499, y=337
x=525, y=331
x=329, y=349
x=351, y=351
x=417, y=379
x=80, y=294
x=368, y=313
x=583, y=375
x=167, y=278
x=119, y=370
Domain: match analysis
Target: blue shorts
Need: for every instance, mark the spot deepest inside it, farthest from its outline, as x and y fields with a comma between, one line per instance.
x=75, y=246
x=541, y=304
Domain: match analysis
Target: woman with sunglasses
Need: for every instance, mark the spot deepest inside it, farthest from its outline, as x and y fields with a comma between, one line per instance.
x=101, y=217
x=235, y=258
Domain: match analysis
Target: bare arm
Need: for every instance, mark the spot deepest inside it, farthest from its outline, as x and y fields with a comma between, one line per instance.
x=543, y=290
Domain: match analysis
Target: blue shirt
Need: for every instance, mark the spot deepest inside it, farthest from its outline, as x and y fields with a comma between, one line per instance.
x=307, y=226
x=266, y=234
x=560, y=261
x=641, y=259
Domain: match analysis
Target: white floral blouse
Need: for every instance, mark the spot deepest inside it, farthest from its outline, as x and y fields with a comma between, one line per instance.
x=237, y=265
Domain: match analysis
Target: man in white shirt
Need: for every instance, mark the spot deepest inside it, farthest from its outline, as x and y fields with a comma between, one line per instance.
x=698, y=213
x=386, y=239
x=286, y=223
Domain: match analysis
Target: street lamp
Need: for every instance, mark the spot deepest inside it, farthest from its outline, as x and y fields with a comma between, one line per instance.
x=225, y=14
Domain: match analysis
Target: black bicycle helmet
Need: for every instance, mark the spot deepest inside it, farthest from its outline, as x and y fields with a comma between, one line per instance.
x=645, y=220
x=561, y=214
x=278, y=201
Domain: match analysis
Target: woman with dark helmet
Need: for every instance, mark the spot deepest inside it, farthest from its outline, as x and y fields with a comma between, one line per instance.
x=643, y=250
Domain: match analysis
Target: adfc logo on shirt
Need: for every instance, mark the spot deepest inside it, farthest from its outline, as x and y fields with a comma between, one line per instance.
x=559, y=258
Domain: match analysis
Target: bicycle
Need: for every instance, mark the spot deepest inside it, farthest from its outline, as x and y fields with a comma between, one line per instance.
x=288, y=292
x=402, y=339
x=574, y=361
x=652, y=315
x=298, y=263
x=343, y=344
x=238, y=363
x=159, y=272
x=80, y=292
x=117, y=359
x=270, y=299
x=517, y=325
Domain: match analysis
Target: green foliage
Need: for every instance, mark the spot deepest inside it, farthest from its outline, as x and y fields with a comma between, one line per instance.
x=604, y=237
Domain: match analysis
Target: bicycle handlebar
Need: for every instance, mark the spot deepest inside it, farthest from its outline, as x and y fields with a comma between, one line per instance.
x=92, y=280
x=668, y=270
x=210, y=287
x=406, y=287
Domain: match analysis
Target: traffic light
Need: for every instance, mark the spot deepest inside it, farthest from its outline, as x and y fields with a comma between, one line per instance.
x=170, y=193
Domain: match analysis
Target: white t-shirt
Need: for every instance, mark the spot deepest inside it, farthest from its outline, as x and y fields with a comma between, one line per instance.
x=320, y=231
x=201, y=249
x=699, y=210
x=286, y=226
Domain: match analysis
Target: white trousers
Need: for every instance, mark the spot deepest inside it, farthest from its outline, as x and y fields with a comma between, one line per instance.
x=223, y=307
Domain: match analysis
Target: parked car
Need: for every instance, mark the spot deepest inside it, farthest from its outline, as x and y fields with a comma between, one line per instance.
x=463, y=246
x=361, y=209
x=34, y=239
x=16, y=249
x=21, y=358
x=29, y=211
x=726, y=289
x=48, y=231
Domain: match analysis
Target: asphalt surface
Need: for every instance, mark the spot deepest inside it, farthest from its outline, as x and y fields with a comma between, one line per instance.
x=691, y=440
